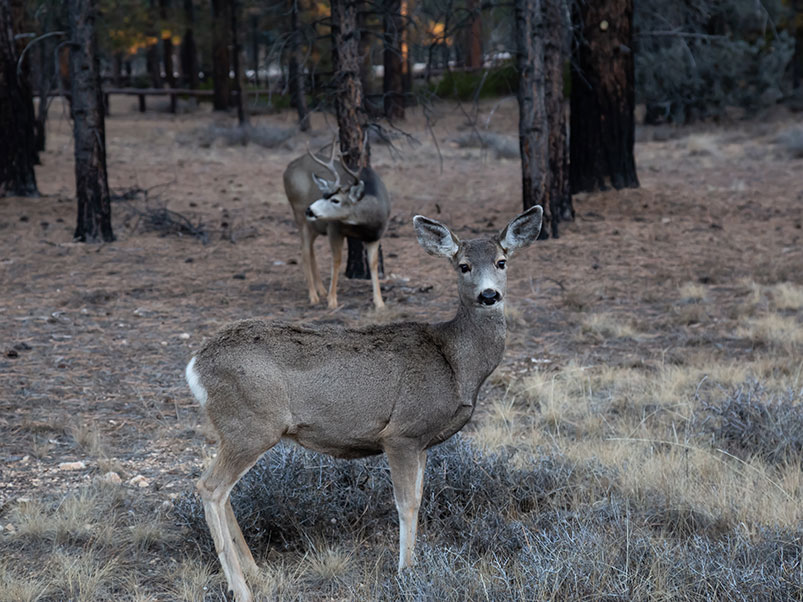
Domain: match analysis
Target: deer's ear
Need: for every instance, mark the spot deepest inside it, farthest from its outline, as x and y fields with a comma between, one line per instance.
x=522, y=230
x=325, y=186
x=436, y=238
x=357, y=191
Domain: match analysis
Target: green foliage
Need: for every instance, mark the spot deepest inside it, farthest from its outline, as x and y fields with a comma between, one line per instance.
x=695, y=59
x=488, y=83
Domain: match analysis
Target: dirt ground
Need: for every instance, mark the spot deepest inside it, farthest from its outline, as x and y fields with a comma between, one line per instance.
x=94, y=338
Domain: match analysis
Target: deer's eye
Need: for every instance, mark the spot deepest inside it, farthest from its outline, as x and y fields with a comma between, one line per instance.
x=464, y=267
x=501, y=264
x=335, y=200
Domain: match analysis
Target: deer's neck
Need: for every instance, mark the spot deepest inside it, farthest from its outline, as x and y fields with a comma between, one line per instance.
x=473, y=343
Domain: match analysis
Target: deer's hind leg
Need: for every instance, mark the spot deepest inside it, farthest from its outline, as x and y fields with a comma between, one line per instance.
x=231, y=463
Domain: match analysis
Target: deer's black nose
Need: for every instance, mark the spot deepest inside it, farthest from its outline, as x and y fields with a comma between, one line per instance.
x=489, y=296
x=309, y=212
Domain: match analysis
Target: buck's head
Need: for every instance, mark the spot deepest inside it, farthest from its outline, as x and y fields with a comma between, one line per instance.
x=338, y=198
x=481, y=264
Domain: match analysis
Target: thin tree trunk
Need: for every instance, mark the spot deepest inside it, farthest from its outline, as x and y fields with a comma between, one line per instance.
x=254, y=52
x=92, y=187
x=349, y=109
x=603, y=97
x=392, y=81
x=533, y=122
x=298, y=97
x=18, y=146
x=189, y=51
x=473, y=48
x=44, y=76
x=221, y=61
x=797, y=60
x=167, y=45
x=152, y=61
x=556, y=55
x=237, y=87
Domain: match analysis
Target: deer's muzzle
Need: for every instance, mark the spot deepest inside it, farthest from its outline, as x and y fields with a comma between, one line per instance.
x=489, y=296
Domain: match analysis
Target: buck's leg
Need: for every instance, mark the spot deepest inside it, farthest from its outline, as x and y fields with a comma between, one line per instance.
x=214, y=487
x=316, y=273
x=308, y=264
x=407, y=473
x=336, y=242
x=372, y=248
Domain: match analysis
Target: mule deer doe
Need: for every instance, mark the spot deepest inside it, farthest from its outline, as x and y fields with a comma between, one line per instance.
x=396, y=388
x=353, y=205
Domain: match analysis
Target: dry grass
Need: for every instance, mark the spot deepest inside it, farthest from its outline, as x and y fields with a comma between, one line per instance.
x=773, y=330
x=605, y=326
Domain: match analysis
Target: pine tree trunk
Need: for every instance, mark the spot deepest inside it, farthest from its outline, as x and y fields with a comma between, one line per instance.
x=298, y=97
x=221, y=60
x=797, y=59
x=556, y=56
x=349, y=109
x=603, y=97
x=474, y=35
x=44, y=73
x=392, y=81
x=92, y=187
x=533, y=123
x=167, y=61
x=189, y=51
x=237, y=86
x=152, y=61
x=18, y=146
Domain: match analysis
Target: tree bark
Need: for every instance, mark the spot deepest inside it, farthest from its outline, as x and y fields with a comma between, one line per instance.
x=89, y=132
x=473, y=36
x=392, y=81
x=253, y=51
x=556, y=56
x=797, y=59
x=298, y=97
x=18, y=147
x=221, y=61
x=603, y=97
x=349, y=110
x=167, y=45
x=533, y=122
x=237, y=86
x=189, y=50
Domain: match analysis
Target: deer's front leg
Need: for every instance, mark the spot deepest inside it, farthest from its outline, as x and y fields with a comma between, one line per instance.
x=372, y=248
x=336, y=242
x=407, y=465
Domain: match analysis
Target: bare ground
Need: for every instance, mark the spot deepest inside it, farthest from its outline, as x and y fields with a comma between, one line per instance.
x=94, y=338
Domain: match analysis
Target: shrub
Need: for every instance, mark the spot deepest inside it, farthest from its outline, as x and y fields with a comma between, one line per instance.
x=749, y=421
x=489, y=83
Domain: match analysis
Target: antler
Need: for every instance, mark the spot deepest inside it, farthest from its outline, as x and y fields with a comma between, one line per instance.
x=331, y=164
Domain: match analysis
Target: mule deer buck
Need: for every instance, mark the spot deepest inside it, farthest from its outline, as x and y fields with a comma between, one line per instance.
x=396, y=388
x=353, y=205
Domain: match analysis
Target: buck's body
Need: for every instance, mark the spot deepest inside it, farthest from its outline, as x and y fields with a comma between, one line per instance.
x=331, y=392
x=364, y=219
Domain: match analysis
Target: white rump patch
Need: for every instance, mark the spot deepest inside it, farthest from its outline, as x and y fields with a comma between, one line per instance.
x=194, y=381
